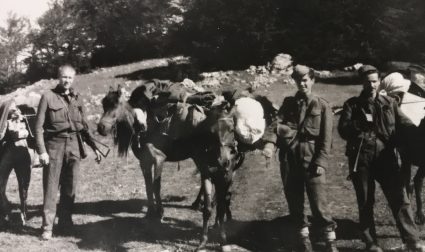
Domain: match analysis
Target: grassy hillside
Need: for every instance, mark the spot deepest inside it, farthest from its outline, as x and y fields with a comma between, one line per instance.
x=111, y=200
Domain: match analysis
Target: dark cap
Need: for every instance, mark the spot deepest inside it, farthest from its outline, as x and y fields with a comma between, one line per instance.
x=367, y=69
x=300, y=71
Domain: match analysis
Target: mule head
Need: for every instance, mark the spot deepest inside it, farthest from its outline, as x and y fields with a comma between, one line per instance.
x=120, y=118
x=116, y=110
x=225, y=146
x=111, y=104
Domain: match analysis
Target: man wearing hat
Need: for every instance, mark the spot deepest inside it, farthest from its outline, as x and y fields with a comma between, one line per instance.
x=303, y=133
x=417, y=76
x=371, y=123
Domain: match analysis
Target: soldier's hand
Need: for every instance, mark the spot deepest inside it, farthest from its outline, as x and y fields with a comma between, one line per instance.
x=320, y=170
x=268, y=150
x=98, y=156
x=317, y=170
x=44, y=158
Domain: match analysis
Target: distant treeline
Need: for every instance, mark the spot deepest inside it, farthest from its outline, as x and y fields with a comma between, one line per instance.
x=221, y=34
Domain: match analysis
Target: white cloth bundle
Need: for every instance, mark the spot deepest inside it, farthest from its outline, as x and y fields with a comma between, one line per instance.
x=394, y=83
x=411, y=105
x=250, y=123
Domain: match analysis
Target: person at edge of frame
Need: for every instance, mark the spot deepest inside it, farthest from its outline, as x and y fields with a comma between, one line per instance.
x=16, y=155
x=303, y=133
x=59, y=131
x=371, y=124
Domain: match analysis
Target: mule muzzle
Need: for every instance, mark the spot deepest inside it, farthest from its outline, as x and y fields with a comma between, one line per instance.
x=101, y=128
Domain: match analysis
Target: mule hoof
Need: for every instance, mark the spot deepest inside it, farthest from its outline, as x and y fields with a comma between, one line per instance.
x=226, y=248
x=202, y=246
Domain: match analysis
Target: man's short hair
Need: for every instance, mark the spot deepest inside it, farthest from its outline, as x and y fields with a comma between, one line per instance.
x=62, y=68
x=365, y=70
x=301, y=70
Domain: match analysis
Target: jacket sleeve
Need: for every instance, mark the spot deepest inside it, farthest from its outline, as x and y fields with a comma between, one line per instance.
x=270, y=133
x=85, y=132
x=40, y=119
x=347, y=129
x=325, y=139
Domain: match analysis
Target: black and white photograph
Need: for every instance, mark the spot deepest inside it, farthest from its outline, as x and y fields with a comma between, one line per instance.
x=212, y=125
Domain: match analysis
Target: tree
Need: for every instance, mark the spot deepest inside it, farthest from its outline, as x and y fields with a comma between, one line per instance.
x=63, y=37
x=127, y=30
x=13, y=42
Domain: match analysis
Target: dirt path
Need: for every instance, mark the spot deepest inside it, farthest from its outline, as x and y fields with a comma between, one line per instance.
x=111, y=201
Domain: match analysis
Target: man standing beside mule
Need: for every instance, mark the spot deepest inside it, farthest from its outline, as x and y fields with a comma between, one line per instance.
x=303, y=133
x=59, y=131
x=371, y=124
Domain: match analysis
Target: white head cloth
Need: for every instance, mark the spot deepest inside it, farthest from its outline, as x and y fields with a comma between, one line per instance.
x=394, y=83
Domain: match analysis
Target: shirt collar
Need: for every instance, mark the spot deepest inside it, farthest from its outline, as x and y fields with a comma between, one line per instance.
x=307, y=98
x=60, y=91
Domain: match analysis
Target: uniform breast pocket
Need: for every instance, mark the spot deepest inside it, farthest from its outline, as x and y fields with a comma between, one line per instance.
x=75, y=113
x=57, y=112
x=76, y=117
x=312, y=122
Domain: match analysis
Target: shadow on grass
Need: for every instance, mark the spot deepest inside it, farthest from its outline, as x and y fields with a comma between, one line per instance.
x=108, y=207
x=347, y=229
x=117, y=232
x=277, y=234
x=112, y=234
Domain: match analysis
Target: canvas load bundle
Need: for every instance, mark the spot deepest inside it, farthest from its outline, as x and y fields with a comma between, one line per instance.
x=249, y=120
x=184, y=120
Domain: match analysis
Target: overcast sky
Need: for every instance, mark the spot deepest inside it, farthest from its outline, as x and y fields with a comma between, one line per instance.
x=28, y=8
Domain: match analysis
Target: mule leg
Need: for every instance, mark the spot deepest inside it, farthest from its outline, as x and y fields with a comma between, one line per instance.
x=221, y=191
x=418, y=184
x=159, y=162
x=23, y=175
x=146, y=166
x=206, y=212
x=6, y=164
x=196, y=205
x=228, y=199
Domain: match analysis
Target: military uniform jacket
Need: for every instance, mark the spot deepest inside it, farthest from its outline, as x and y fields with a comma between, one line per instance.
x=388, y=120
x=304, y=127
x=57, y=117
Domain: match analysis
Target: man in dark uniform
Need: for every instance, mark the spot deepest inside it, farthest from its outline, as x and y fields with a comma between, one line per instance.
x=60, y=128
x=370, y=124
x=303, y=133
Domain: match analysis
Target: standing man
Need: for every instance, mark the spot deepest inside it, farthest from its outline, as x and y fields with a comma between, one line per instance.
x=370, y=123
x=60, y=128
x=303, y=133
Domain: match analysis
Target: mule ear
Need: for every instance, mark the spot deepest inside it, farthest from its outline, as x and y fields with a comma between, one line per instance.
x=119, y=89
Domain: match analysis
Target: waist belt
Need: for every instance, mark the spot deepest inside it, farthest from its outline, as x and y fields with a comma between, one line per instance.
x=66, y=133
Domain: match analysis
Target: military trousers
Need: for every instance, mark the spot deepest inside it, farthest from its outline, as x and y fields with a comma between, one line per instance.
x=16, y=158
x=61, y=174
x=297, y=180
x=376, y=163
